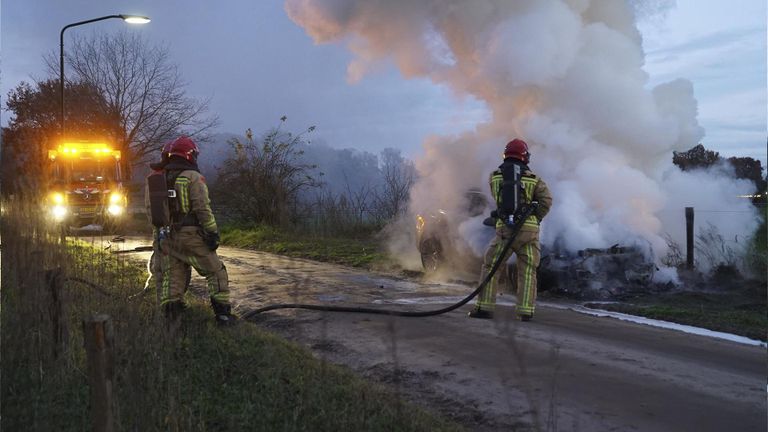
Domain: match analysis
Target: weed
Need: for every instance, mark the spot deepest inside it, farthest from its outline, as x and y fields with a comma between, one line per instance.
x=715, y=250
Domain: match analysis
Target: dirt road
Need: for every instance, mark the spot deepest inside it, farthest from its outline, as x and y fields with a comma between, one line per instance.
x=562, y=371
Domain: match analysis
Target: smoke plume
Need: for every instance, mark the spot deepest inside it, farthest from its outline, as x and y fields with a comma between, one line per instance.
x=565, y=75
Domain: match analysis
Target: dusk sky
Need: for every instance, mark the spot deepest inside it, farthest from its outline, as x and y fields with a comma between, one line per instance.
x=257, y=65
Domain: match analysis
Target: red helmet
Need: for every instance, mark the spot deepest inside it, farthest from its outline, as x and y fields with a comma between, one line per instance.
x=517, y=149
x=184, y=147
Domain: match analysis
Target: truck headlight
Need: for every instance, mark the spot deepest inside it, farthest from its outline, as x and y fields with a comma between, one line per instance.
x=116, y=198
x=419, y=223
x=59, y=212
x=57, y=198
x=115, y=209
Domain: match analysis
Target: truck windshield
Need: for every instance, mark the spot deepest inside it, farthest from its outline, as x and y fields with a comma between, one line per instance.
x=90, y=171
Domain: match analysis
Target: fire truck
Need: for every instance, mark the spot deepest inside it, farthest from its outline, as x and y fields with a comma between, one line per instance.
x=86, y=185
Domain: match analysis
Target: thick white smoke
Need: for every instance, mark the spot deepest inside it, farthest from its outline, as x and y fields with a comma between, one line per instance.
x=565, y=75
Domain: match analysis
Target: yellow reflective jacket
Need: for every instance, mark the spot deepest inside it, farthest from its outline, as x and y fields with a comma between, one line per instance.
x=192, y=194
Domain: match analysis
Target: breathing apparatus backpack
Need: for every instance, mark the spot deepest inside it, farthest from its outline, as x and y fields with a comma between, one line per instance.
x=512, y=193
x=160, y=197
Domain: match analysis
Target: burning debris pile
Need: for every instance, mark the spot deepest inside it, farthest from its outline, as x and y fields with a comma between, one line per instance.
x=597, y=273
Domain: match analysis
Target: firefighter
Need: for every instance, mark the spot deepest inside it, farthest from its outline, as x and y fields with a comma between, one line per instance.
x=193, y=237
x=526, y=244
x=154, y=266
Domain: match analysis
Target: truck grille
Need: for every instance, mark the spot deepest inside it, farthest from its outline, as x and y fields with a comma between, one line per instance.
x=79, y=200
x=86, y=205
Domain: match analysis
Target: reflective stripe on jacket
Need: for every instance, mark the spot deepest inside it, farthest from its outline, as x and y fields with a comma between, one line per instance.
x=192, y=193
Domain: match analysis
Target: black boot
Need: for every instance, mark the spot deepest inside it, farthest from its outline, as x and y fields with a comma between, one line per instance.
x=223, y=313
x=480, y=313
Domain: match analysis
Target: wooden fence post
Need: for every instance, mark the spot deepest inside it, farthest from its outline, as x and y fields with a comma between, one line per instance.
x=689, y=237
x=99, y=349
x=54, y=280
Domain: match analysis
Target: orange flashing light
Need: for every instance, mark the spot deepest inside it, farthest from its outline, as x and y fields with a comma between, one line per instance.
x=95, y=149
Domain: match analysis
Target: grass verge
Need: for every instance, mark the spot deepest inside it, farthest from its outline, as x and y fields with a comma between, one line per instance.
x=741, y=312
x=202, y=379
x=364, y=252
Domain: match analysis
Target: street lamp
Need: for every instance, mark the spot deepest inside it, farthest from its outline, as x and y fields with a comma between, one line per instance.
x=131, y=19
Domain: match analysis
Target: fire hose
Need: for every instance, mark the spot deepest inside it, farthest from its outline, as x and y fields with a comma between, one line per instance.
x=519, y=220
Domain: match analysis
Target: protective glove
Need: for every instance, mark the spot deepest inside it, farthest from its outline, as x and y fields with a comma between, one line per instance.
x=211, y=240
x=489, y=221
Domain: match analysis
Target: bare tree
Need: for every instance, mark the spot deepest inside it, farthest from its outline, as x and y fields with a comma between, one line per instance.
x=398, y=174
x=360, y=199
x=142, y=88
x=327, y=214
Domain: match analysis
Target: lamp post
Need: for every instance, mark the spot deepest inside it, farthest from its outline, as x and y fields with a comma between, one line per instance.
x=131, y=19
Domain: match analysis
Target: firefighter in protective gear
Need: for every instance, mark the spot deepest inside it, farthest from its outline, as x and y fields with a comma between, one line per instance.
x=193, y=236
x=154, y=266
x=525, y=245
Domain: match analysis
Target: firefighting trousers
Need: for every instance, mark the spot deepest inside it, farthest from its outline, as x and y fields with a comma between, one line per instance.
x=186, y=248
x=155, y=271
x=528, y=252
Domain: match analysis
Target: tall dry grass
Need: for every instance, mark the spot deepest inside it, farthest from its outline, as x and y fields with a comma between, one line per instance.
x=197, y=378
x=44, y=376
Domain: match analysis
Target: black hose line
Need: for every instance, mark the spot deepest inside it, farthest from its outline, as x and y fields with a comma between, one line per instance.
x=515, y=229
x=88, y=283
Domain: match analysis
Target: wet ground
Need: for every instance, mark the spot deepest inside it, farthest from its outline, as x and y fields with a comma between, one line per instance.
x=563, y=371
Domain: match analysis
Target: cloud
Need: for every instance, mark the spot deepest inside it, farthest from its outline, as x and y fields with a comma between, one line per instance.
x=718, y=41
